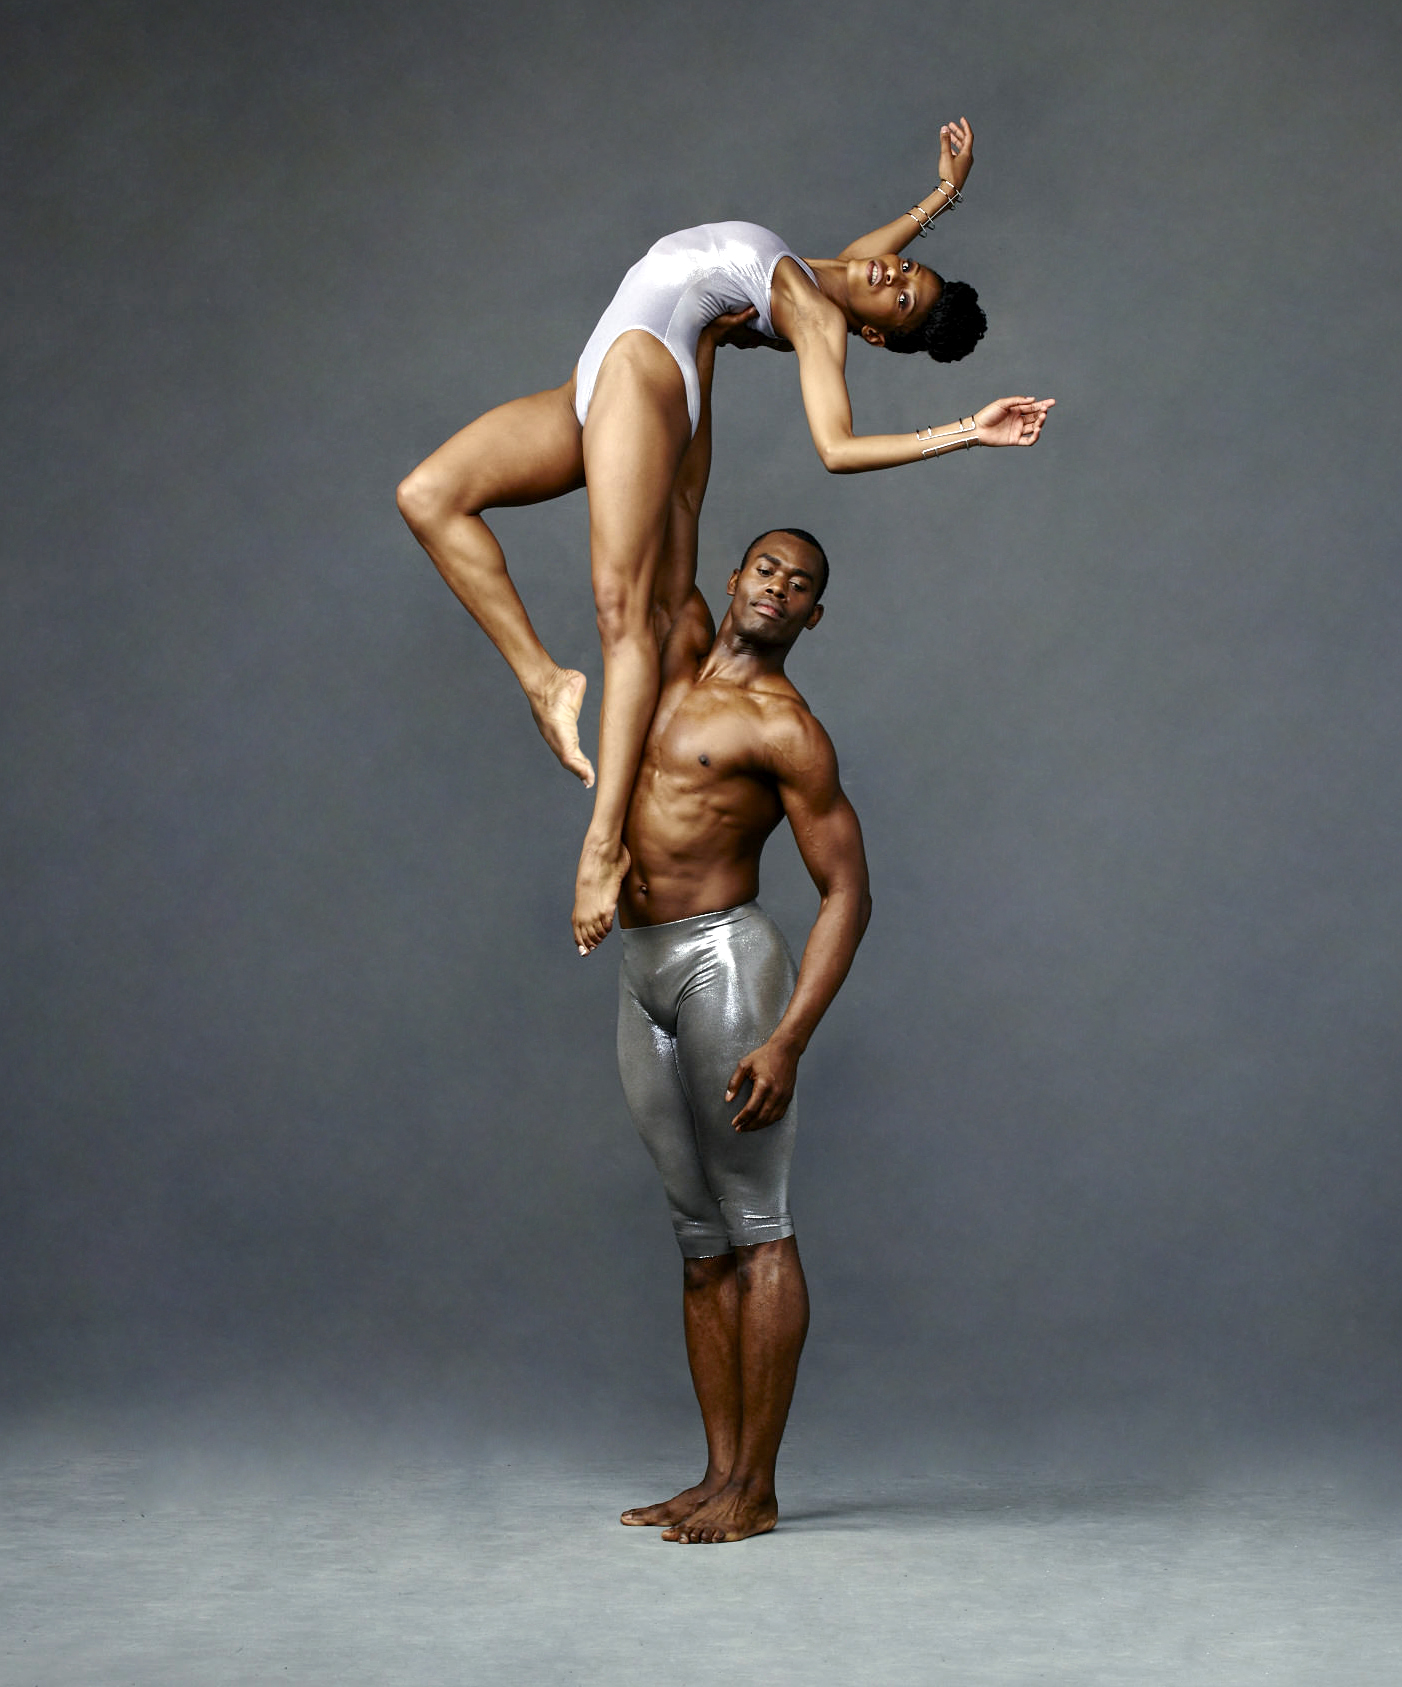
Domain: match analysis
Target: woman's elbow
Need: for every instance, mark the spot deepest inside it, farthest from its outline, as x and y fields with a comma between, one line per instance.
x=832, y=456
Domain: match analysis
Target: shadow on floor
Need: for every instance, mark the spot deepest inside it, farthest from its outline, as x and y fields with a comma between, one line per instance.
x=922, y=1505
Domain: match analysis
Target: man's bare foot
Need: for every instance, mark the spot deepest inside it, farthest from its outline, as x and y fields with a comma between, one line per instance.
x=667, y=1512
x=556, y=713
x=733, y=1514
x=596, y=887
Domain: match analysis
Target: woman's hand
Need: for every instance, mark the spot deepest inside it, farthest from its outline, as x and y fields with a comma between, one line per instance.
x=1012, y=421
x=956, y=152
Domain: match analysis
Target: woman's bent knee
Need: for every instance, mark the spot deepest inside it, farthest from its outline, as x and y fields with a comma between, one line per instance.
x=426, y=500
x=623, y=617
x=419, y=501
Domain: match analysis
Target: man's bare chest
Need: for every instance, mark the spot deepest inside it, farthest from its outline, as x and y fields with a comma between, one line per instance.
x=703, y=733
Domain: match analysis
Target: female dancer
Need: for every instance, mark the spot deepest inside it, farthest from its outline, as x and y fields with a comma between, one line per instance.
x=621, y=426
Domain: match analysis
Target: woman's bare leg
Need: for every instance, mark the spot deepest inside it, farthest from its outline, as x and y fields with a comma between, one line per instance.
x=520, y=453
x=676, y=569
x=634, y=441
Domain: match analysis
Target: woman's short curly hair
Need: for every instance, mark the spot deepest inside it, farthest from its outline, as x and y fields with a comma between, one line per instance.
x=953, y=326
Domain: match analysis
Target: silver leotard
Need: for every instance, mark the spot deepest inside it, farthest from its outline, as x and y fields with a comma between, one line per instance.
x=693, y=996
x=683, y=282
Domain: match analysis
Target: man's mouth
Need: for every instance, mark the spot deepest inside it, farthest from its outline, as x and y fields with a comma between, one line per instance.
x=766, y=607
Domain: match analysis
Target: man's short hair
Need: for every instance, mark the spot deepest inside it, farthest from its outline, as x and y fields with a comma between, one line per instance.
x=952, y=326
x=804, y=537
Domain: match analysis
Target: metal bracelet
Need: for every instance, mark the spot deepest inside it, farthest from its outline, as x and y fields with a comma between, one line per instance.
x=940, y=444
x=923, y=218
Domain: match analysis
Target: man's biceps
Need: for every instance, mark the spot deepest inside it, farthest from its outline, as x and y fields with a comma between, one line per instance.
x=809, y=776
x=821, y=818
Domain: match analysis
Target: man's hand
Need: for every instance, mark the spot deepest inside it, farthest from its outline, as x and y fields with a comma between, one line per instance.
x=771, y=1070
x=733, y=329
x=956, y=152
x=720, y=331
x=1012, y=421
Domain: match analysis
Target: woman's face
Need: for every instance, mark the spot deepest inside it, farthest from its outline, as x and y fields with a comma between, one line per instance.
x=890, y=294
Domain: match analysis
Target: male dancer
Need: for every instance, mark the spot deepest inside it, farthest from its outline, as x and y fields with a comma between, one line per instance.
x=711, y=1021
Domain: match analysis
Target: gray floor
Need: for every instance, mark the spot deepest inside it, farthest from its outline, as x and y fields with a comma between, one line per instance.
x=177, y=1566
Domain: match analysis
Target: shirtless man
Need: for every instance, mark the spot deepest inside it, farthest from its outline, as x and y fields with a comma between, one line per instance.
x=711, y=1021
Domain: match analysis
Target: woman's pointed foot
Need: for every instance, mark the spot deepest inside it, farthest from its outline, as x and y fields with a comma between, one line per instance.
x=556, y=713
x=596, y=886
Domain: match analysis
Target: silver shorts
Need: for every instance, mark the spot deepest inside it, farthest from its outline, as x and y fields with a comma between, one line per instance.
x=693, y=996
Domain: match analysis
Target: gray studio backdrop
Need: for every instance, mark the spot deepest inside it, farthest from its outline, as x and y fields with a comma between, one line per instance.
x=305, y=1088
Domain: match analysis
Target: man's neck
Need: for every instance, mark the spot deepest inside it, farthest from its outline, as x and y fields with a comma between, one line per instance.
x=739, y=660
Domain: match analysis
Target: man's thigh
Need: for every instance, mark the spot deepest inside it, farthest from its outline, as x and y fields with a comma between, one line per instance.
x=747, y=1170
x=661, y=1110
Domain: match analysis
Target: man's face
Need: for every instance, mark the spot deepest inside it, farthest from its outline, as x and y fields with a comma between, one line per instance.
x=890, y=294
x=775, y=590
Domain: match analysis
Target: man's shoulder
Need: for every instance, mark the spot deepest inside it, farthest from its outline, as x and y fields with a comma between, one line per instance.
x=793, y=734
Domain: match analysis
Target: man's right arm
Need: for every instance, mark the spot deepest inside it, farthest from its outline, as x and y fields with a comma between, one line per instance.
x=829, y=838
x=690, y=636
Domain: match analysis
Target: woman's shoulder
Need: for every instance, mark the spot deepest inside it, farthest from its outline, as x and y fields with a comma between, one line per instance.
x=797, y=302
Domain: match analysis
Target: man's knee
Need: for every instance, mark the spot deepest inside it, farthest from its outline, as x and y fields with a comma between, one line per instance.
x=756, y=1262
x=707, y=1272
x=759, y=1249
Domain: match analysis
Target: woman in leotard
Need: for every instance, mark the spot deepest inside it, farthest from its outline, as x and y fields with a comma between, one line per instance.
x=621, y=425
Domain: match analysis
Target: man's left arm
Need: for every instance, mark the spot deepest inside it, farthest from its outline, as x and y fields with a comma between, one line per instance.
x=829, y=838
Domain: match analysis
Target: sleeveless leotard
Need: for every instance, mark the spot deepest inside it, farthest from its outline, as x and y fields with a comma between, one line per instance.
x=685, y=281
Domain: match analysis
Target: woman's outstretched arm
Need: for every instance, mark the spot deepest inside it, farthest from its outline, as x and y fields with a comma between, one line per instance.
x=956, y=160
x=820, y=339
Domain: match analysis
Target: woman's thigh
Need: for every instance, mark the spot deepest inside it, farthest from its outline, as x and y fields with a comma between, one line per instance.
x=635, y=437
x=523, y=452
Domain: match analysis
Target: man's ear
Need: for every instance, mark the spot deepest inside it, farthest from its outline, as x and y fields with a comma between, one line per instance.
x=873, y=336
x=732, y=583
x=815, y=617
